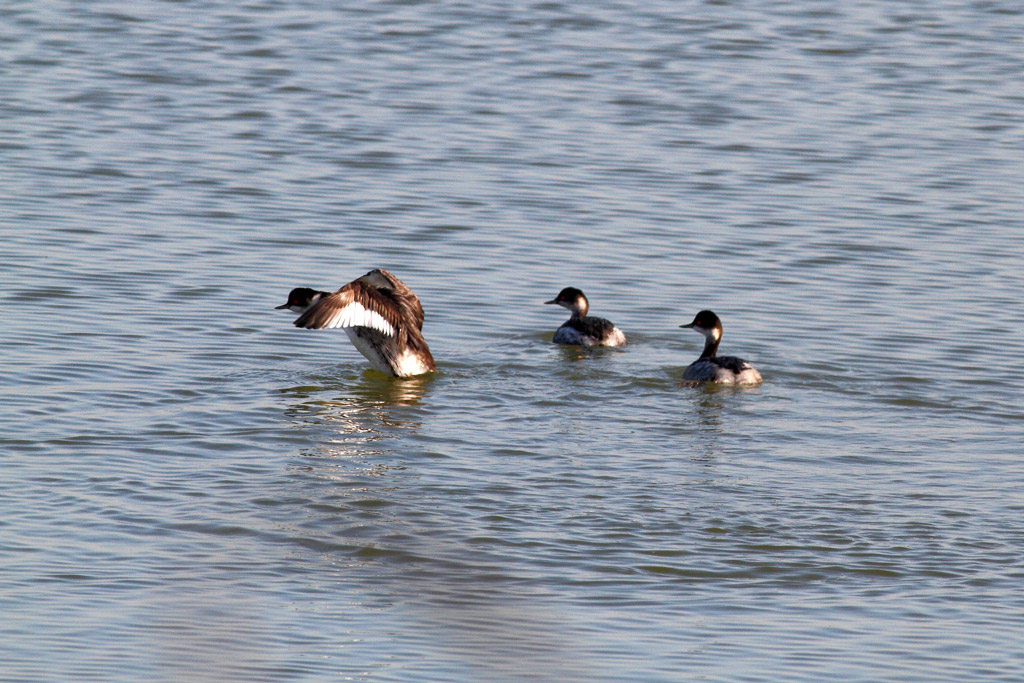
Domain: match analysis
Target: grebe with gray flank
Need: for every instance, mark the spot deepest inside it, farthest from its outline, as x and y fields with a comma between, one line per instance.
x=712, y=368
x=581, y=329
x=381, y=316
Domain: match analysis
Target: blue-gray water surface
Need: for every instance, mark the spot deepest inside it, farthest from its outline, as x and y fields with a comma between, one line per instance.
x=194, y=489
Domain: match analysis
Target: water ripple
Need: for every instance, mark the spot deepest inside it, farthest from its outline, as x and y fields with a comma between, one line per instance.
x=195, y=489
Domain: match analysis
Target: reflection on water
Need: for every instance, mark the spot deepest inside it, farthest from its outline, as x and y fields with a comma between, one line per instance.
x=360, y=416
x=709, y=424
x=367, y=411
x=456, y=596
x=369, y=388
x=360, y=406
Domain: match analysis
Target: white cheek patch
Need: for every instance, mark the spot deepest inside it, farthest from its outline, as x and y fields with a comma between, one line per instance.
x=354, y=315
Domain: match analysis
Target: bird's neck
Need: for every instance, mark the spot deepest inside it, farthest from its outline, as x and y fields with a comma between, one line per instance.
x=711, y=345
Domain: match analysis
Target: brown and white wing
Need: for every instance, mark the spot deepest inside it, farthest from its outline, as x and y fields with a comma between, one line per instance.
x=396, y=291
x=354, y=305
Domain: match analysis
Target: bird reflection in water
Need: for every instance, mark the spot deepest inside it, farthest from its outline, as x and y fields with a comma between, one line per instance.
x=361, y=414
x=708, y=405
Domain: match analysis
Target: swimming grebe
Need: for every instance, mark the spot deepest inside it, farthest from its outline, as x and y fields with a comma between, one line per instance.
x=581, y=328
x=712, y=368
x=382, y=317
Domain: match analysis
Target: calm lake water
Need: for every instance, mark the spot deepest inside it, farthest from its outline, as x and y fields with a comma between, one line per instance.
x=195, y=490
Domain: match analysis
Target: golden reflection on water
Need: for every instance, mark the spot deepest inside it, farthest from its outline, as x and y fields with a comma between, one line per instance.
x=362, y=415
x=370, y=387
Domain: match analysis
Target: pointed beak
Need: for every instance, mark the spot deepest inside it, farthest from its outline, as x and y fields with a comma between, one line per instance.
x=553, y=301
x=688, y=325
x=278, y=308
